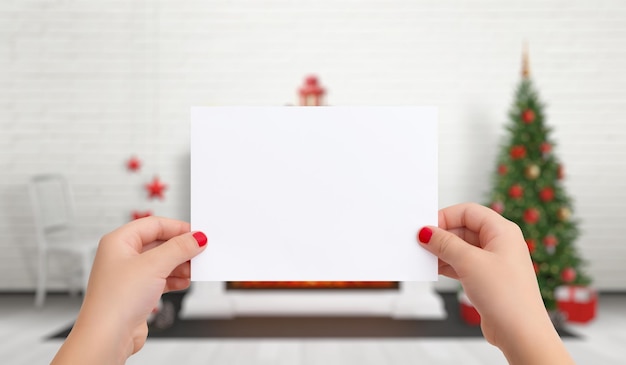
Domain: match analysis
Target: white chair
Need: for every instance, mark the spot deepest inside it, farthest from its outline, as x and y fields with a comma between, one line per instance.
x=53, y=209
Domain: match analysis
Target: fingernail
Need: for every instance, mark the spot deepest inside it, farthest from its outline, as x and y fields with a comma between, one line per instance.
x=200, y=238
x=425, y=234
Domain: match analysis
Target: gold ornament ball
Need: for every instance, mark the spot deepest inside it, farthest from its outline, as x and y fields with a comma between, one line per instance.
x=563, y=214
x=532, y=172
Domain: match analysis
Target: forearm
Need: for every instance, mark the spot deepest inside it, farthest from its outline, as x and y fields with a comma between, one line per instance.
x=537, y=343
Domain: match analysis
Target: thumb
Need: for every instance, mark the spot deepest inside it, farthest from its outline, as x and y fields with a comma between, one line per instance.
x=445, y=245
x=176, y=251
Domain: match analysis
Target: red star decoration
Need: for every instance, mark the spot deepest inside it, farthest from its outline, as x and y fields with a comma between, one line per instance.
x=134, y=164
x=137, y=214
x=155, y=188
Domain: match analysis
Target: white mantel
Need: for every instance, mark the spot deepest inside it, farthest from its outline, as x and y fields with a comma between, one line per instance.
x=412, y=300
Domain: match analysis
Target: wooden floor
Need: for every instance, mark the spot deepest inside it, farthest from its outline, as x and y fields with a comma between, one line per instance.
x=23, y=333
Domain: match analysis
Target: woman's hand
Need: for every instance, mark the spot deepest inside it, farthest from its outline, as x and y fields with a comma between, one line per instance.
x=134, y=265
x=488, y=255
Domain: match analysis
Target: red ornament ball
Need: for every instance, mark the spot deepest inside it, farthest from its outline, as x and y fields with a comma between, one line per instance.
x=502, y=169
x=545, y=147
x=531, y=216
x=528, y=116
x=568, y=274
x=516, y=191
x=497, y=207
x=531, y=245
x=546, y=194
x=550, y=240
x=536, y=267
x=518, y=152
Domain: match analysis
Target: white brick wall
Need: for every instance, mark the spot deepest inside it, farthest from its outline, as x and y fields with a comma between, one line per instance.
x=86, y=84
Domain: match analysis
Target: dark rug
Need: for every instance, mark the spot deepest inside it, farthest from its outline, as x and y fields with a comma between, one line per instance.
x=322, y=327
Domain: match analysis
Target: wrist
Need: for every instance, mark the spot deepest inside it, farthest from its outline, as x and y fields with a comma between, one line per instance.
x=96, y=338
x=534, y=341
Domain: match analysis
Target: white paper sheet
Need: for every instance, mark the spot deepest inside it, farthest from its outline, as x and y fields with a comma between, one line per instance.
x=313, y=193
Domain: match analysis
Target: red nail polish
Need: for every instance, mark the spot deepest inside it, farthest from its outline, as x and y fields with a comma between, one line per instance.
x=425, y=234
x=200, y=238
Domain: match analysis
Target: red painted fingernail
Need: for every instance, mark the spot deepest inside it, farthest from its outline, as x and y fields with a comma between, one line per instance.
x=425, y=235
x=200, y=238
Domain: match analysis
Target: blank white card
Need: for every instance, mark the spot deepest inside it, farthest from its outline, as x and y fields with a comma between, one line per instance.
x=313, y=193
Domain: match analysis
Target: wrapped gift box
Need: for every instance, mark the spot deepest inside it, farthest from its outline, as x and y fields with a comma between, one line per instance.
x=577, y=303
x=469, y=314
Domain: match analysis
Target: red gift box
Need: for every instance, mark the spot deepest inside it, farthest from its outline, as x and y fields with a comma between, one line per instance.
x=578, y=303
x=469, y=314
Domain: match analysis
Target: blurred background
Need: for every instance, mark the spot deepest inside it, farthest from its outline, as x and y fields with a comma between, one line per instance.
x=85, y=86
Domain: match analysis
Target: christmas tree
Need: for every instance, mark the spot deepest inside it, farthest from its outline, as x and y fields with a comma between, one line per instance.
x=528, y=190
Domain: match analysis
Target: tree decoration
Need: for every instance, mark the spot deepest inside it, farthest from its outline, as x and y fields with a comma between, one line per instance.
x=550, y=243
x=528, y=182
x=568, y=274
x=155, y=188
x=516, y=191
x=531, y=215
x=133, y=164
x=502, y=169
x=498, y=207
x=532, y=171
x=546, y=194
x=563, y=214
x=528, y=116
x=518, y=152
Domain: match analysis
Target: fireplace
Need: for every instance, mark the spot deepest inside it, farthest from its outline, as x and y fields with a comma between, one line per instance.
x=390, y=299
x=311, y=285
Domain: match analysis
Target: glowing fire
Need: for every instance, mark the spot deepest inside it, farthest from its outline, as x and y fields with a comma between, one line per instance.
x=312, y=285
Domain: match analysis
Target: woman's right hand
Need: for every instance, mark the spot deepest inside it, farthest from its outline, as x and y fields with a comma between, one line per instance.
x=488, y=255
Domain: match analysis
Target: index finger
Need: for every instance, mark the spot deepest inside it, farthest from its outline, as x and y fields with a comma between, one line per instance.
x=483, y=221
x=144, y=231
